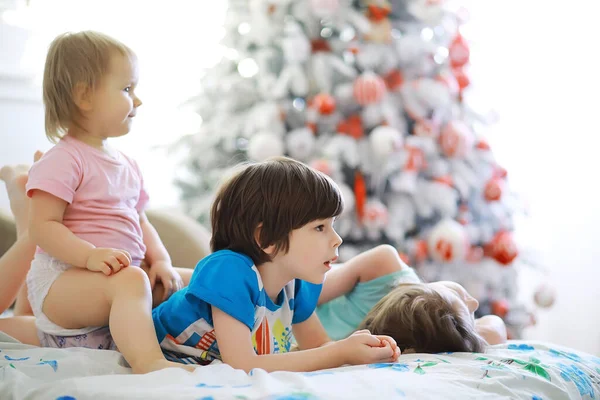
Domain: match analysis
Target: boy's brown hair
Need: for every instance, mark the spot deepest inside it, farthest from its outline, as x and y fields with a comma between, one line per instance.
x=81, y=58
x=419, y=318
x=279, y=194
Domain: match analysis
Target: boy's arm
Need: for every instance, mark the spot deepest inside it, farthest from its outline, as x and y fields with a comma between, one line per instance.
x=310, y=333
x=492, y=329
x=235, y=345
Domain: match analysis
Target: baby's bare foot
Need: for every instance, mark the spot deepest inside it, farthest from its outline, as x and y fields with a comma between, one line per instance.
x=161, y=364
x=15, y=178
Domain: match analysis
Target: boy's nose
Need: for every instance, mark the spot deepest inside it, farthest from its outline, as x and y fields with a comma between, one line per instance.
x=337, y=240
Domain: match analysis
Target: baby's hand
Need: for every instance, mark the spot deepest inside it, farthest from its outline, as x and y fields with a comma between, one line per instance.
x=107, y=261
x=164, y=272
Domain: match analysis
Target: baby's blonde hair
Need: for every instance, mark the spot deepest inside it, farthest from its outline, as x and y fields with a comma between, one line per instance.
x=419, y=318
x=74, y=58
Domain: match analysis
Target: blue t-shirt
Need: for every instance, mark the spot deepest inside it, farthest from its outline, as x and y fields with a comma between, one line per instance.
x=230, y=281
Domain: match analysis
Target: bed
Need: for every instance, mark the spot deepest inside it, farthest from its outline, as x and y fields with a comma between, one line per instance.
x=517, y=370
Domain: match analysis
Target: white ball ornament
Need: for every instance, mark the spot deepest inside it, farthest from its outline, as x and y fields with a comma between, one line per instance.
x=300, y=143
x=385, y=140
x=448, y=242
x=264, y=145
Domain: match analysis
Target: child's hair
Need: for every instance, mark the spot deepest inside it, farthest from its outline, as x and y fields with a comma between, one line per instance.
x=281, y=195
x=419, y=318
x=73, y=59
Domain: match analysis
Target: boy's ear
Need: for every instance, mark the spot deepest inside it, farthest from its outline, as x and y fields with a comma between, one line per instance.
x=270, y=249
x=82, y=95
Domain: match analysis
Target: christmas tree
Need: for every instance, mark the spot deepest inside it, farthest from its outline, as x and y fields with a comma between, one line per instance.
x=371, y=93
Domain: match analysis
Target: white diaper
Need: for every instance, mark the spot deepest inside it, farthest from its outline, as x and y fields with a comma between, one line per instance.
x=42, y=274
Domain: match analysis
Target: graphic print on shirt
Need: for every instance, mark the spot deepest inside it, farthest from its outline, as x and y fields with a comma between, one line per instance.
x=197, y=340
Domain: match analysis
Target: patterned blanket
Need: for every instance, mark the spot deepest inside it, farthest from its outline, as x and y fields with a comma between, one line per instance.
x=517, y=370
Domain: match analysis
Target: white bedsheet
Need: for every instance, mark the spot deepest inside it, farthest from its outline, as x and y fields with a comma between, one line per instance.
x=518, y=370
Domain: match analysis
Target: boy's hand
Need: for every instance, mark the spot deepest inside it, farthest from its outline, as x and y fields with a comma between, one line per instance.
x=363, y=348
x=163, y=271
x=391, y=342
x=107, y=261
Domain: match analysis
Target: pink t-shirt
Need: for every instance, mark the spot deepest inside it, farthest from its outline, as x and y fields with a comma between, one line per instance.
x=105, y=194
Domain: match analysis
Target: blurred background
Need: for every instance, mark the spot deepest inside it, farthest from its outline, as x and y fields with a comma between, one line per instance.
x=532, y=74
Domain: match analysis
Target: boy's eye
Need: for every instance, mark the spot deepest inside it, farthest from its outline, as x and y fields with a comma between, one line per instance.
x=127, y=89
x=320, y=228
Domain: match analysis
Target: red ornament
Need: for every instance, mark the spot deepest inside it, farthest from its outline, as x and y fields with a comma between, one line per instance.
x=353, y=48
x=369, y=88
x=360, y=194
x=500, y=308
x=352, y=126
x=493, y=189
x=444, y=250
x=415, y=160
x=323, y=166
x=482, y=145
x=318, y=45
x=444, y=180
x=393, y=80
x=456, y=139
x=462, y=79
x=502, y=248
x=377, y=13
x=324, y=103
x=375, y=213
x=426, y=128
x=405, y=258
x=459, y=52
x=421, y=251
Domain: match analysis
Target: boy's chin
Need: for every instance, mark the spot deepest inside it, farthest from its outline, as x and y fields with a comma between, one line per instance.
x=315, y=280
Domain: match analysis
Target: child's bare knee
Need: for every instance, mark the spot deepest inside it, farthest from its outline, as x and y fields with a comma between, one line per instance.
x=132, y=279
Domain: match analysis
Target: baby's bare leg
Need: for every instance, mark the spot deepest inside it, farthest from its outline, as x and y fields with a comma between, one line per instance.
x=21, y=328
x=123, y=301
x=15, y=179
x=15, y=263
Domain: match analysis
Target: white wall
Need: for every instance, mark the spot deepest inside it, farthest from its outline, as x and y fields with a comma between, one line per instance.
x=532, y=61
x=21, y=113
x=174, y=41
